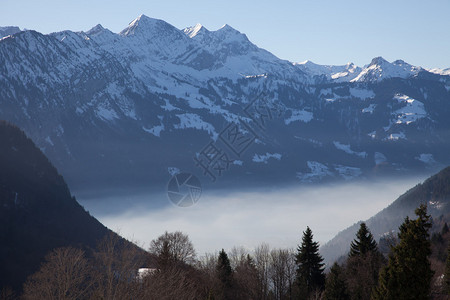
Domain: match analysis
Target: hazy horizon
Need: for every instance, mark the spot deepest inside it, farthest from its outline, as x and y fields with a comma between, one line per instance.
x=249, y=218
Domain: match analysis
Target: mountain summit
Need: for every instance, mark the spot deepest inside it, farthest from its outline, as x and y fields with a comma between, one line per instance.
x=147, y=26
x=380, y=69
x=150, y=98
x=193, y=31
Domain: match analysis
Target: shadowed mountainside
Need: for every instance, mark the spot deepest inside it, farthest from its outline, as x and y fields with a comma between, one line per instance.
x=434, y=192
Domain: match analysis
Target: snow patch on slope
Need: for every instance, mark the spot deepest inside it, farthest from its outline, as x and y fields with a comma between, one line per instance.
x=156, y=130
x=347, y=149
x=440, y=71
x=369, y=109
x=106, y=113
x=396, y=136
x=411, y=112
x=194, y=121
x=299, y=115
x=263, y=158
x=426, y=158
x=317, y=172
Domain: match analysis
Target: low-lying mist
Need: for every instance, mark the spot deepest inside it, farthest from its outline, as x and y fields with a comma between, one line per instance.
x=247, y=218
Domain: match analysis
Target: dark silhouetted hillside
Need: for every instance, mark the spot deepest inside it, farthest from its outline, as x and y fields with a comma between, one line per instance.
x=37, y=211
x=434, y=192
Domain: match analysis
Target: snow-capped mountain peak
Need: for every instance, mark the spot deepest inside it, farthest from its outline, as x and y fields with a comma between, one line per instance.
x=336, y=73
x=400, y=62
x=229, y=33
x=95, y=30
x=154, y=84
x=147, y=26
x=380, y=69
x=196, y=30
x=228, y=28
x=378, y=61
x=101, y=35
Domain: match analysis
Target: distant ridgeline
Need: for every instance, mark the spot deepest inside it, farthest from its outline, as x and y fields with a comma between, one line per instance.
x=37, y=211
x=123, y=108
x=434, y=192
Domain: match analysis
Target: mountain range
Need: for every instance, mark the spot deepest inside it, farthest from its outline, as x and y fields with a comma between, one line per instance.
x=135, y=107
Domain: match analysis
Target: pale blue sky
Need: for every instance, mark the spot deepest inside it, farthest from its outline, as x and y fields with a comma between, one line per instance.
x=324, y=31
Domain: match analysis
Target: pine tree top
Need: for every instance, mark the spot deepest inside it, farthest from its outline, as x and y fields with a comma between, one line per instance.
x=223, y=267
x=364, y=242
x=310, y=266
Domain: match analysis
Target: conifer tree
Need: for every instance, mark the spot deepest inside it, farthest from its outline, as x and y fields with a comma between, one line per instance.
x=363, y=264
x=363, y=243
x=335, y=286
x=408, y=273
x=310, y=266
x=224, y=274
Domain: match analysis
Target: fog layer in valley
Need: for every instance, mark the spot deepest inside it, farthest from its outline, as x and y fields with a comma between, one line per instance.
x=248, y=218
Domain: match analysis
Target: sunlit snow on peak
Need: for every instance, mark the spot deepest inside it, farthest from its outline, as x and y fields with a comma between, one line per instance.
x=194, y=30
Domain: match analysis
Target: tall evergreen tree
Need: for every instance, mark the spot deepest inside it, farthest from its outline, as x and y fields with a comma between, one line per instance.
x=408, y=273
x=224, y=274
x=363, y=243
x=335, y=286
x=363, y=264
x=310, y=266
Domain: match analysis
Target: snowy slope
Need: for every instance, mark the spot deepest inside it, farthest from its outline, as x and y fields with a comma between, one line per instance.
x=440, y=71
x=380, y=69
x=8, y=30
x=162, y=93
x=332, y=73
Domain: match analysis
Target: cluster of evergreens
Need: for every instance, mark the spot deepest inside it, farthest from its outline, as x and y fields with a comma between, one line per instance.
x=406, y=273
x=114, y=270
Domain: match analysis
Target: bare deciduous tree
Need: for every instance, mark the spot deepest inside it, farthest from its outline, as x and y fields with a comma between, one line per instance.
x=246, y=276
x=282, y=272
x=207, y=263
x=63, y=277
x=237, y=256
x=262, y=261
x=178, y=245
x=175, y=282
x=117, y=264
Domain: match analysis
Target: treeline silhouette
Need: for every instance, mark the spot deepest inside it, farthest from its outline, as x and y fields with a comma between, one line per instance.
x=41, y=221
x=414, y=269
